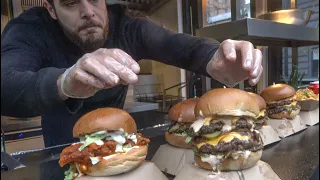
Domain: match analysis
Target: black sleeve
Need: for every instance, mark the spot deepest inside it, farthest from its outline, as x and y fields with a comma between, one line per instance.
x=177, y=49
x=27, y=89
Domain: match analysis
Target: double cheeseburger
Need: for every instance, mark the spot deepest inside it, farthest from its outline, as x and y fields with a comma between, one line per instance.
x=182, y=116
x=109, y=145
x=281, y=101
x=224, y=136
x=262, y=118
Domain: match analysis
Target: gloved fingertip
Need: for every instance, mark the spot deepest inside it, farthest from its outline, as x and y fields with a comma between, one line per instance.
x=133, y=78
x=135, y=68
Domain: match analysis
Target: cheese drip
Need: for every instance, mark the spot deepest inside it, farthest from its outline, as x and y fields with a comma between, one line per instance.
x=215, y=160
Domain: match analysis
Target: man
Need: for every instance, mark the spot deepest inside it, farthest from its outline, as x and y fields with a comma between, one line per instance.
x=74, y=56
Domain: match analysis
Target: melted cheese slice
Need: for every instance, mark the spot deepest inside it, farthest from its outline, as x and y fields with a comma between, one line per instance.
x=224, y=138
x=226, y=120
x=294, y=103
x=208, y=120
x=262, y=113
x=234, y=120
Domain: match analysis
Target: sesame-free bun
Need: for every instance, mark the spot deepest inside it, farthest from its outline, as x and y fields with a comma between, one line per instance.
x=183, y=111
x=111, y=119
x=178, y=141
x=118, y=164
x=262, y=104
x=226, y=102
x=230, y=164
x=277, y=92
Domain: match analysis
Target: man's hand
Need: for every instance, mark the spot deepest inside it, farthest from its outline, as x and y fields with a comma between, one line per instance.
x=104, y=68
x=236, y=61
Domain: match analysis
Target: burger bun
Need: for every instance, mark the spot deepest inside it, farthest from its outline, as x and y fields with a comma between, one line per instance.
x=177, y=141
x=226, y=102
x=118, y=164
x=183, y=112
x=230, y=164
x=277, y=92
x=261, y=102
x=104, y=119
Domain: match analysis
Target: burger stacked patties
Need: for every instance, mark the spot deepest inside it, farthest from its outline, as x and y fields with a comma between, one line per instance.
x=281, y=101
x=224, y=137
x=182, y=116
x=109, y=145
x=262, y=118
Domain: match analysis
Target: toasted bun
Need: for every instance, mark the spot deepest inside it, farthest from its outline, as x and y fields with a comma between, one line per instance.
x=277, y=92
x=285, y=114
x=183, y=111
x=104, y=119
x=262, y=104
x=231, y=164
x=118, y=164
x=178, y=141
x=226, y=102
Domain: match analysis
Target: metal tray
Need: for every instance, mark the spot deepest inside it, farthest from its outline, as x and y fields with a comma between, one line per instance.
x=308, y=105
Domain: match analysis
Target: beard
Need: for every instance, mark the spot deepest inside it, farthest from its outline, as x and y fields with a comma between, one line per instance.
x=89, y=43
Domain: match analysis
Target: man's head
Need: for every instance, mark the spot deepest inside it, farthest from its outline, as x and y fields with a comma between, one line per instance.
x=85, y=22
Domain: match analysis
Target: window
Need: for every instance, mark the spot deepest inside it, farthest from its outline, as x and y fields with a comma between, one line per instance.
x=315, y=62
x=308, y=57
x=308, y=62
x=218, y=11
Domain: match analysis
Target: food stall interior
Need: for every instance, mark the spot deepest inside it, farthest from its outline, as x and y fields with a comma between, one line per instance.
x=240, y=20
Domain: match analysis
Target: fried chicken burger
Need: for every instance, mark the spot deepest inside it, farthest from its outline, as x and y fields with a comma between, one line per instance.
x=109, y=145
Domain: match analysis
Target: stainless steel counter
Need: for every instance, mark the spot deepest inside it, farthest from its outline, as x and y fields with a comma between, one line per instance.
x=10, y=124
x=134, y=107
x=295, y=157
x=263, y=33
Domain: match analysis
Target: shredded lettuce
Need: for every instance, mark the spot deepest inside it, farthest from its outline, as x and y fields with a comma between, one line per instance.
x=91, y=139
x=188, y=139
x=127, y=146
x=68, y=175
x=119, y=138
x=98, y=133
x=181, y=134
x=97, y=137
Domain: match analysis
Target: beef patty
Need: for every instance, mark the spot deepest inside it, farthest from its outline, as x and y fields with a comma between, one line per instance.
x=207, y=129
x=280, y=109
x=253, y=144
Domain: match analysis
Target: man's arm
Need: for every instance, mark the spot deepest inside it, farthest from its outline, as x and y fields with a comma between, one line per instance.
x=177, y=49
x=27, y=89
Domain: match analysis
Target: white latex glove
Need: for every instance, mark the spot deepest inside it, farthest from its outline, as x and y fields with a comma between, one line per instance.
x=101, y=69
x=236, y=61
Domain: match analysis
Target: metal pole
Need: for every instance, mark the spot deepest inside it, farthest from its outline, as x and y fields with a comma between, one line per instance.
x=187, y=29
x=180, y=30
x=293, y=4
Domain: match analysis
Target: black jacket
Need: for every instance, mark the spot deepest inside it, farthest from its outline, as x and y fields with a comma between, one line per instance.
x=35, y=52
